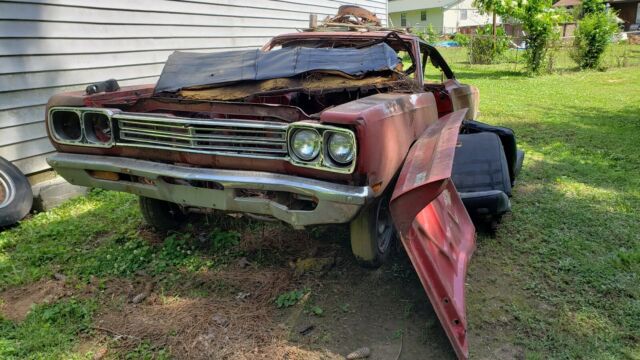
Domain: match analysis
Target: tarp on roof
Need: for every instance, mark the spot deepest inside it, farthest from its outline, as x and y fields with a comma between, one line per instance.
x=187, y=69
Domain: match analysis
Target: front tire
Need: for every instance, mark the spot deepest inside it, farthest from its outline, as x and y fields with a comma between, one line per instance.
x=373, y=234
x=16, y=196
x=162, y=215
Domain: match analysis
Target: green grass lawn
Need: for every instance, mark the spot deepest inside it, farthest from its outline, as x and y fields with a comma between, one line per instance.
x=561, y=279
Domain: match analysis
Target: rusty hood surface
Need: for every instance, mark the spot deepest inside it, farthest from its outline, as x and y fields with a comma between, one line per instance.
x=188, y=70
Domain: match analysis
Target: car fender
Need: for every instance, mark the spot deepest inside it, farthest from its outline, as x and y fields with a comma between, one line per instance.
x=434, y=226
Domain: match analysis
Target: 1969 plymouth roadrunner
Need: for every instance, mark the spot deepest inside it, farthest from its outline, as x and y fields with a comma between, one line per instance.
x=316, y=127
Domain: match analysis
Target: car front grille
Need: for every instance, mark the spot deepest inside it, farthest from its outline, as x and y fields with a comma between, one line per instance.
x=207, y=136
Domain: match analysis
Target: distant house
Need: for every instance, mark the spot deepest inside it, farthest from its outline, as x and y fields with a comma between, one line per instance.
x=445, y=16
x=628, y=11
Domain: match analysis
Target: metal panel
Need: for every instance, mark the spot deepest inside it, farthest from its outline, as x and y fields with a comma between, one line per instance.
x=33, y=164
x=44, y=29
x=26, y=149
x=91, y=46
x=16, y=134
x=19, y=116
x=51, y=46
x=434, y=226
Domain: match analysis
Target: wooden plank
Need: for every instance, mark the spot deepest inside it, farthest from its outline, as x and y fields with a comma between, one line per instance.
x=24, y=81
x=38, y=12
x=42, y=29
x=33, y=164
x=15, y=47
x=26, y=149
x=20, y=116
x=20, y=133
x=19, y=99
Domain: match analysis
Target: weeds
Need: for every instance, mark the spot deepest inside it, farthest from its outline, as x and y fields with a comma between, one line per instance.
x=290, y=298
x=49, y=331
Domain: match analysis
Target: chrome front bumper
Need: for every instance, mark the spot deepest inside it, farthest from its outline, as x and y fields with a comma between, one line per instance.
x=335, y=203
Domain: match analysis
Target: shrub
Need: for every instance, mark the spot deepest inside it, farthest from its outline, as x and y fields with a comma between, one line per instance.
x=484, y=48
x=429, y=35
x=593, y=34
x=461, y=39
x=538, y=20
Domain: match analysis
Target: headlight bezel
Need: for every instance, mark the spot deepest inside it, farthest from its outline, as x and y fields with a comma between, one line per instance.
x=316, y=153
x=323, y=161
x=328, y=135
x=83, y=140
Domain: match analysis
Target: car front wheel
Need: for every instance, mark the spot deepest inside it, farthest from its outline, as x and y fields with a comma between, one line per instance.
x=162, y=215
x=373, y=234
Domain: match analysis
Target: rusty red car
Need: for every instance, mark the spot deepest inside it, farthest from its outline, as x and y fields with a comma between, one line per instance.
x=316, y=127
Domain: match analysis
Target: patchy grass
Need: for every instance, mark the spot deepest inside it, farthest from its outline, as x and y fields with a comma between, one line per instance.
x=560, y=279
x=564, y=267
x=48, y=332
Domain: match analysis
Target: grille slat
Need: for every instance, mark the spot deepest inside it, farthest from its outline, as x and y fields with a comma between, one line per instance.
x=224, y=136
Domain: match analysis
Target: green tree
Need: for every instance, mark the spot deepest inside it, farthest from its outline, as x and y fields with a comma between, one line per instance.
x=594, y=33
x=538, y=20
x=485, y=48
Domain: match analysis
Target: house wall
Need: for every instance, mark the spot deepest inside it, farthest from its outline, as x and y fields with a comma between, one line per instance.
x=434, y=17
x=628, y=12
x=445, y=19
x=50, y=46
x=453, y=16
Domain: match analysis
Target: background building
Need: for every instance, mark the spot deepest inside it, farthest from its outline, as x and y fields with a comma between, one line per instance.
x=445, y=16
x=50, y=46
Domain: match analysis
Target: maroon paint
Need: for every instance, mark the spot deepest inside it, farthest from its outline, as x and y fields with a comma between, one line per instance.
x=434, y=225
x=386, y=125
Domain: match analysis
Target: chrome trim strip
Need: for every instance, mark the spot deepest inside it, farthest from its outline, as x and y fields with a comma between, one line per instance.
x=194, y=128
x=82, y=141
x=336, y=203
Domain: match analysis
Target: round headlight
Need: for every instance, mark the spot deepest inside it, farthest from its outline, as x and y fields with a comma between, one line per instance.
x=305, y=144
x=340, y=148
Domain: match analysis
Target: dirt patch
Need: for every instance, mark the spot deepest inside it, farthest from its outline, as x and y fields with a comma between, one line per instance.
x=239, y=324
x=17, y=302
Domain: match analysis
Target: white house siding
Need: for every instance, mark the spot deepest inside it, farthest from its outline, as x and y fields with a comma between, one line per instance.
x=453, y=16
x=414, y=19
x=50, y=46
x=445, y=16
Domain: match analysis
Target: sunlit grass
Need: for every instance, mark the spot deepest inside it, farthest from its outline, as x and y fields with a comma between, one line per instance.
x=571, y=248
x=560, y=279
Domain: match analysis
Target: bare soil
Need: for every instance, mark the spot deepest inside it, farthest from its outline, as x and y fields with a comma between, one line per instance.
x=231, y=314
x=17, y=302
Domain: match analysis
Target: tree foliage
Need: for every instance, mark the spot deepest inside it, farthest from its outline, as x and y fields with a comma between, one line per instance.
x=593, y=34
x=484, y=48
x=538, y=20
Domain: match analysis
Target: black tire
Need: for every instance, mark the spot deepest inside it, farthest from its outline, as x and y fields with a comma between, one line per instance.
x=16, y=196
x=162, y=215
x=373, y=234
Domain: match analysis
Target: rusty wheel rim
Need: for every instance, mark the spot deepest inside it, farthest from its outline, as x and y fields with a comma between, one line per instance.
x=384, y=226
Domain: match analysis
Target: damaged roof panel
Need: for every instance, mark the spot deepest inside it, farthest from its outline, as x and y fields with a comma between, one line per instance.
x=185, y=69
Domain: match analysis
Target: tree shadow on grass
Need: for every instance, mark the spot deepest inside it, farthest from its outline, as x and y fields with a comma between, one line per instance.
x=477, y=72
x=100, y=244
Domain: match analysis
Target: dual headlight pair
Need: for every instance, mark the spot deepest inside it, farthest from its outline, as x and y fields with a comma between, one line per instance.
x=332, y=147
x=81, y=127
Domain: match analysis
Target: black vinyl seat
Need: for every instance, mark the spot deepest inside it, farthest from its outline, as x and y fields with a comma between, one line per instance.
x=514, y=156
x=481, y=175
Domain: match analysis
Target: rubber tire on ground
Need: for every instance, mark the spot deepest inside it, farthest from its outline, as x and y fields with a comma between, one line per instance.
x=364, y=239
x=18, y=197
x=162, y=215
